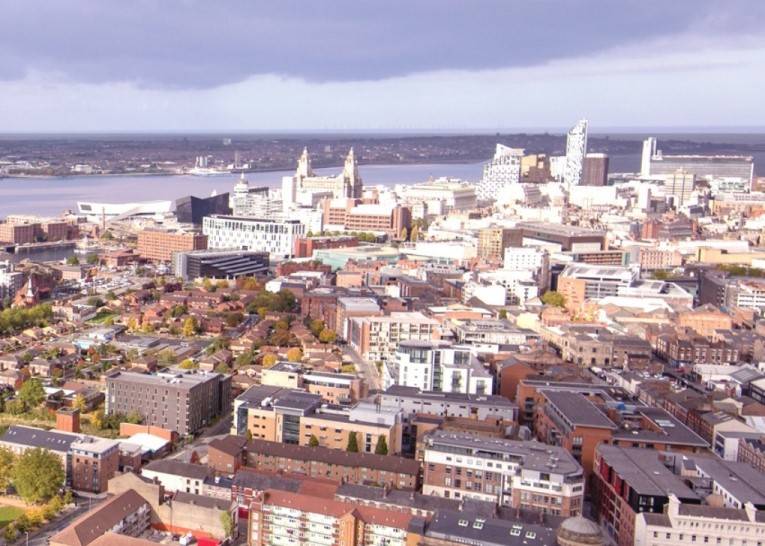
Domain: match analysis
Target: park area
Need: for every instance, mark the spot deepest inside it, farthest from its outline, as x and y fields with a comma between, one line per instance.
x=9, y=514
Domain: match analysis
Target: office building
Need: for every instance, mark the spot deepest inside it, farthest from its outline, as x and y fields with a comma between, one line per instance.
x=352, y=215
x=237, y=233
x=255, y=202
x=595, y=170
x=516, y=474
x=305, y=187
x=437, y=366
x=502, y=171
x=440, y=196
x=184, y=403
x=492, y=243
x=580, y=282
x=705, y=167
x=576, y=149
x=559, y=237
x=219, y=264
x=159, y=245
x=679, y=186
x=191, y=210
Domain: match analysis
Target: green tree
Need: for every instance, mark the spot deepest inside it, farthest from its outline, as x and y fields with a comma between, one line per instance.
x=32, y=393
x=7, y=460
x=404, y=233
x=244, y=359
x=134, y=418
x=503, y=314
x=248, y=435
x=316, y=326
x=10, y=534
x=381, y=448
x=178, y=311
x=353, y=443
x=415, y=234
x=189, y=327
x=93, y=259
x=38, y=475
x=554, y=298
x=227, y=522
x=72, y=260
x=313, y=441
x=327, y=336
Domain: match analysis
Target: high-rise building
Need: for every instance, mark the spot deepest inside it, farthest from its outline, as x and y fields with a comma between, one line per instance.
x=260, y=202
x=649, y=150
x=595, y=170
x=492, y=243
x=679, y=186
x=576, y=149
x=503, y=170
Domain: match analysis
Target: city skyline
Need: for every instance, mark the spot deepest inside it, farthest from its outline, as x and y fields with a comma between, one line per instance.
x=344, y=67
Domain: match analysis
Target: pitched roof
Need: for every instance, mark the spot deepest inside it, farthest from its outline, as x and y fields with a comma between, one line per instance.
x=90, y=526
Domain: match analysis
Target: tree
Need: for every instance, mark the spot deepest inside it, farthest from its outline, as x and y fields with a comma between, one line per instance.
x=269, y=360
x=10, y=534
x=93, y=259
x=295, y=355
x=7, y=460
x=382, y=445
x=38, y=475
x=248, y=435
x=244, y=359
x=503, y=314
x=189, y=327
x=404, y=234
x=178, y=310
x=415, y=234
x=353, y=444
x=132, y=324
x=554, y=298
x=188, y=364
x=313, y=441
x=327, y=336
x=227, y=522
x=316, y=326
x=222, y=368
x=80, y=403
x=72, y=260
x=32, y=393
x=134, y=418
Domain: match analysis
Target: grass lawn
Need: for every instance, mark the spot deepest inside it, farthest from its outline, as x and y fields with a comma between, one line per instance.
x=8, y=514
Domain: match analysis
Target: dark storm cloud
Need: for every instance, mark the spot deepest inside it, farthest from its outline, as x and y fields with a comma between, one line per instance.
x=190, y=44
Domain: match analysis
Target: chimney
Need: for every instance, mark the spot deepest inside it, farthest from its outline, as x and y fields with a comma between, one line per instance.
x=68, y=420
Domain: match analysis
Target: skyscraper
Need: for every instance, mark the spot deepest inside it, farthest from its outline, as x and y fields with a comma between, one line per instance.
x=503, y=170
x=576, y=148
x=649, y=150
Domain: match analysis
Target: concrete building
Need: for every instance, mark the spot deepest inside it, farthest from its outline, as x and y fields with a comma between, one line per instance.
x=184, y=403
x=679, y=186
x=521, y=475
x=297, y=417
x=437, y=366
x=159, y=245
x=655, y=163
x=258, y=202
x=237, y=233
x=502, y=171
x=11, y=281
x=376, y=338
x=354, y=216
x=595, y=170
x=440, y=196
x=576, y=149
x=305, y=186
x=220, y=264
x=492, y=243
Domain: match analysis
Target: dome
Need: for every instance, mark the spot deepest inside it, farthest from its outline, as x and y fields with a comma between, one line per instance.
x=579, y=530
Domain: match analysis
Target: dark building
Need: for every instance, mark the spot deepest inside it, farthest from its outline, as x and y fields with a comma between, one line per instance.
x=570, y=238
x=191, y=210
x=183, y=402
x=595, y=170
x=218, y=264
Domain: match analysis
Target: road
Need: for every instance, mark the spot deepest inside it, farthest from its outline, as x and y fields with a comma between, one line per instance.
x=40, y=538
x=218, y=430
x=366, y=369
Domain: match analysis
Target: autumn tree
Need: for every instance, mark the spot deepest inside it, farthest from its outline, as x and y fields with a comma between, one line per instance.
x=327, y=336
x=190, y=327
x=554, y=298
x=294, y=354
x=269, y=360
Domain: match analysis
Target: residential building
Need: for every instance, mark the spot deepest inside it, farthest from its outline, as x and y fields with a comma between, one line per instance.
x=492, y=243
x=182, y=402
x=576, y=149
x=376, y=338
x=437, y=366
x=502, y=171
x=595, y=170
x=11, y=281
x=159, y=245
x=521, y=475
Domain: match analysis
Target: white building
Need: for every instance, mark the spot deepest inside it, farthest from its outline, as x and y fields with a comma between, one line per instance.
x=649, y=150
x=576, y=149
x=11, y=280
x=377, y=338
x=259, y=202
x=232, y=232
x=502, y=171
x=306, y=187
x=679, y=186
x=437, y=366
x=440, y=196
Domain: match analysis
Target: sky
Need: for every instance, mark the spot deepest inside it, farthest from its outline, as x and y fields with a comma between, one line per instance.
x=396, y=65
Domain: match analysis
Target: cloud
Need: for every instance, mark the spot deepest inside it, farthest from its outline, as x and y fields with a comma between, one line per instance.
x=199, y=44
x=688, y=80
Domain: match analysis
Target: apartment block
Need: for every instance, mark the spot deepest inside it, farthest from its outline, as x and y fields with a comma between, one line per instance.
x=159, y=245
x=182, y=402
x=521, y=475
x=376, y=338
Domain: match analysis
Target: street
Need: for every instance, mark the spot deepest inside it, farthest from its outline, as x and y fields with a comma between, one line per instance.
x=367, y=370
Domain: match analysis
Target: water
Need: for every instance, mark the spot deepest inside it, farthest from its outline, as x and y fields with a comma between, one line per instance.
x=51, y=196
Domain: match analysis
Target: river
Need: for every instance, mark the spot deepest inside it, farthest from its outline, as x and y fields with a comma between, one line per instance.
x=51, y=196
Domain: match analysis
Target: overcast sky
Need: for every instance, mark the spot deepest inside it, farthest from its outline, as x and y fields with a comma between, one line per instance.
x=291, y=65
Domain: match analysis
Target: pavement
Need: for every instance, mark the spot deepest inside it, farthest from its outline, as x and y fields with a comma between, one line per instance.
x=42, y=536
x=367, y=370
x=218, y=430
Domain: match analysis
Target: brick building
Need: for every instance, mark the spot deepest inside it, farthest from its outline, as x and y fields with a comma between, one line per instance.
x=159, y=245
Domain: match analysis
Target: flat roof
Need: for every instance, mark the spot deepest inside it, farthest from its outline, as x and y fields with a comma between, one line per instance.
x=577, y=409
